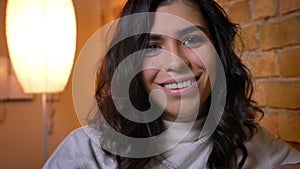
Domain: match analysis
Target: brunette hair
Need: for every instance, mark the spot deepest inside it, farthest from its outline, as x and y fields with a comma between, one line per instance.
x=237, y=124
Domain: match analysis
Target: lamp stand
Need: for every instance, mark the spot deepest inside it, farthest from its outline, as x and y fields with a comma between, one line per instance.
x=44, y=108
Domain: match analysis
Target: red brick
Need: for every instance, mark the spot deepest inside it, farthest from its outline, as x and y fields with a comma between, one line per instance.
x=263, y=65
x=287, y=6
x=249, y=35
x=283, y=94
x=264, y=8
x=239, y=12
x=290, y=62
x=280, y=34
x=259, y=94
x=289, y=126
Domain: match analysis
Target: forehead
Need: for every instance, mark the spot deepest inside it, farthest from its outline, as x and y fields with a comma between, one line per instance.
x=172, y=18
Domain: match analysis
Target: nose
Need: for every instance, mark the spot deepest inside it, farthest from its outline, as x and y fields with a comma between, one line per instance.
x=176, y=59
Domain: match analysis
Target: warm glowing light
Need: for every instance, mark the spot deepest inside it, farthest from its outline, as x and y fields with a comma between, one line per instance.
x=41, y=37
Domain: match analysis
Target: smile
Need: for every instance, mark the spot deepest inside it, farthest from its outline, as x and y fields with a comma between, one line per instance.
x=177, y=86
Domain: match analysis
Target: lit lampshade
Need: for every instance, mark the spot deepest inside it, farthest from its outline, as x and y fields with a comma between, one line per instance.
x=41, y=37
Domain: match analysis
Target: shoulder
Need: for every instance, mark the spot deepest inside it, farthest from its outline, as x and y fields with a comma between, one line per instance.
x=81, y=135
x=79, y=139
x=80, y=149
x=265, y=147
x=76, y=136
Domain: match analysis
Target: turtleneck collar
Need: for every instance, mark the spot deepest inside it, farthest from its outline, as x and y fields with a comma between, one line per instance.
x=191, y=137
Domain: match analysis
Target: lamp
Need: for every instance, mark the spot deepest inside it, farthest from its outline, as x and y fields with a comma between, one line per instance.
x=41, y=38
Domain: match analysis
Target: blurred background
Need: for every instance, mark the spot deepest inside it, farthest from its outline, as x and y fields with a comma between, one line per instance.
x=270, y=29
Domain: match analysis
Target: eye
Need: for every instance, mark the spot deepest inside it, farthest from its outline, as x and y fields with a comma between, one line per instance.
x=193, y=41
x=153, y=49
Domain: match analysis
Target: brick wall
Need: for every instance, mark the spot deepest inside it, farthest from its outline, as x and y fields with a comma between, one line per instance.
x=271, y=32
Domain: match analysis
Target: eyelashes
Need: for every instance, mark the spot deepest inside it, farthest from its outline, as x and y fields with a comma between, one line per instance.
x=191, y=41
x=153, y=49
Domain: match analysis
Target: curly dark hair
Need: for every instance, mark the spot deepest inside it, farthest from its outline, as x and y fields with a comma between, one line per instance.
x=238, y=123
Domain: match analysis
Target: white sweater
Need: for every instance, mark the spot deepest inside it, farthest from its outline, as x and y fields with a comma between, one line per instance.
x=78, y=151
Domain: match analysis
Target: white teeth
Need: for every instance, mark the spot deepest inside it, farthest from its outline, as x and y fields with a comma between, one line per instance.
x=179, y=85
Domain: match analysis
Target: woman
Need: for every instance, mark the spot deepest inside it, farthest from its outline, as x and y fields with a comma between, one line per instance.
x=170, y=66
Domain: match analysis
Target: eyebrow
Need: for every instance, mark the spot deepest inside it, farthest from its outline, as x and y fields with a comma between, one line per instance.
x=182, y=32
x=155, y=37
x=191, y=29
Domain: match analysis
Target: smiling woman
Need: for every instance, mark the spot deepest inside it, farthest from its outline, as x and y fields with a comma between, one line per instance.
x=178, y=56
x=178, y=50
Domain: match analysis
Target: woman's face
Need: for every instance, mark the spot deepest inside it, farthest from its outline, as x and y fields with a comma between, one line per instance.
x=178, y=60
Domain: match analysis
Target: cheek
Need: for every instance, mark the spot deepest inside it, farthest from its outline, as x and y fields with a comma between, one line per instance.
x=206, y=57
x=150, y=68
x=151, y=63
x=148, y=76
